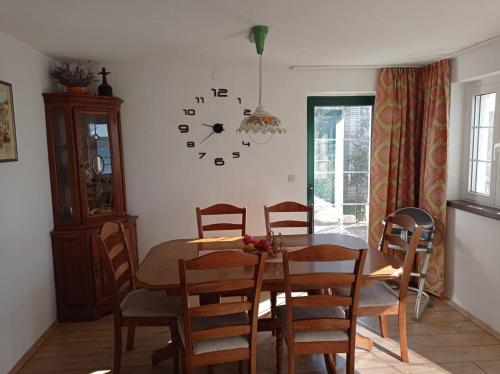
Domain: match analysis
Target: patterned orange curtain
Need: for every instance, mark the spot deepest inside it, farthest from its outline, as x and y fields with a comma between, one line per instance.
x=409, y=150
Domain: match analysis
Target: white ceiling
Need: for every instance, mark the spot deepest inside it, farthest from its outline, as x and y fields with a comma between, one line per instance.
x=302, y=32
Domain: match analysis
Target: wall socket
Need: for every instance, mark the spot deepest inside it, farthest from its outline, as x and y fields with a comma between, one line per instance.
x=291, y=178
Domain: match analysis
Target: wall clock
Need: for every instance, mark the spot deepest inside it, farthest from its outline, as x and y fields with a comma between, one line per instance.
x=208, y=127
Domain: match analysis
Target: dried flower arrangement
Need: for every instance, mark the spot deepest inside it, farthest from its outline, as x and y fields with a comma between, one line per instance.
x=79, y=76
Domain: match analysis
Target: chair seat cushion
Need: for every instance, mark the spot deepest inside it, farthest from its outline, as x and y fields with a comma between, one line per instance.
x=221, y=344
x=145, y=303
x=379, y=294
x=303, y=336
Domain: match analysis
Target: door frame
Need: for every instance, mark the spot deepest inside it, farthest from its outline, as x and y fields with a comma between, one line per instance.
x=312, y=102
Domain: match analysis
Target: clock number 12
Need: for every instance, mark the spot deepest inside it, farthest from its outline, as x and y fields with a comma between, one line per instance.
x=219, y=92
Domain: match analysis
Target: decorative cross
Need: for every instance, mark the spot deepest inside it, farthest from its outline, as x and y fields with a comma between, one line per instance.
x=104, y=72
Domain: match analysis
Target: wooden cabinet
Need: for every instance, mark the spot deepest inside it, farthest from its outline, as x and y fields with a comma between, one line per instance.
x=87, y=180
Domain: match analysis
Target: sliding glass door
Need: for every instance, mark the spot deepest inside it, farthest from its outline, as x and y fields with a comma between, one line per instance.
x=338, y=152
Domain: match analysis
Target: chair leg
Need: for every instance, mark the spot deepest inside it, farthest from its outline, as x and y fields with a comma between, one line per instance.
x=279, y=350
x=291, y=360
x=117, y=358
x=274, y=301
x=384, y=329
x=350, y=363
x=130, y=336
x=330, y=362
x=175, y=337
x=241, y=366
x=210, y=369
x=403, y=339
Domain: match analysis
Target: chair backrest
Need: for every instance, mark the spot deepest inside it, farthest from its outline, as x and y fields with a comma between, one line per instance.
x=422, y=218
x=115, y=253
x=323, y=280
x=221, y=209
x=245, y=264
x=289, y=207
x=402, y=250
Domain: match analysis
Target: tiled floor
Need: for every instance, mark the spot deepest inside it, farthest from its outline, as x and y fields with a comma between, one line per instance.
x=444, y=341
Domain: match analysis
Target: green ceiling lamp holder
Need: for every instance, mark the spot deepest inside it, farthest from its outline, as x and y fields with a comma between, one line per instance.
x=260, y=120
x=258, y=36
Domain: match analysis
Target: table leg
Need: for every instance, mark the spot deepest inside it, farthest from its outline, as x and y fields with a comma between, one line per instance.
x=363, y=342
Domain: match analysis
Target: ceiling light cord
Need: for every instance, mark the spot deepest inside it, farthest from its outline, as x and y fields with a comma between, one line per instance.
x=260, y=80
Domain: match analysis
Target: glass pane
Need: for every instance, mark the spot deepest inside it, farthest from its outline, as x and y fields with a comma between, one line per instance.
x=480, y=177
x=354, y=214
x=325, y=122
x=484, y=143
x=324, y=188
x=481, y=143
x=357, y=121
x=324, y=155
x=98, y=166
x=356, y=188
x=356, y=155
x=62, y=165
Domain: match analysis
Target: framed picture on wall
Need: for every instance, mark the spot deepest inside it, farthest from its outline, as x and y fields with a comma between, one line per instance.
x=8, y=141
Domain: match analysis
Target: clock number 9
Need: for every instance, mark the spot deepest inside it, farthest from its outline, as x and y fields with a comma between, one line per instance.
x=183, y=128
x=190, y=144
x=189, y=112
x=219, y=161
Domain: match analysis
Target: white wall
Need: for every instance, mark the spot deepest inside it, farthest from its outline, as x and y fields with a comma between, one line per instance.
x=165, y=181
x=27, y=300
x=473, y=259
x=472, y=252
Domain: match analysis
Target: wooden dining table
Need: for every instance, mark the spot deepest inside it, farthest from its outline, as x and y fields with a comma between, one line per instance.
x=159, y=269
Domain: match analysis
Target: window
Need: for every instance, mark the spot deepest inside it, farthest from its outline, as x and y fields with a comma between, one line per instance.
x=481, y=139
x=339, y=135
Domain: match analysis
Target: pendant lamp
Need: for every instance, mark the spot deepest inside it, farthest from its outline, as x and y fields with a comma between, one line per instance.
x=260, y=120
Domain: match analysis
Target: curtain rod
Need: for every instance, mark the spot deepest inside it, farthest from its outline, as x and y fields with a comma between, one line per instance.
x=340, y=67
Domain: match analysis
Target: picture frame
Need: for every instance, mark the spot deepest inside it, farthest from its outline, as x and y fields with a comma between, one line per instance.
x=8, y=139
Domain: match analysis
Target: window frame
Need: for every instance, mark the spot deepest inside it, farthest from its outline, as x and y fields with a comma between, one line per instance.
x=472, y=90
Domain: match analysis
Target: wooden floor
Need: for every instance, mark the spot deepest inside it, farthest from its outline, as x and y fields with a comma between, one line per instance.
x=444, y=341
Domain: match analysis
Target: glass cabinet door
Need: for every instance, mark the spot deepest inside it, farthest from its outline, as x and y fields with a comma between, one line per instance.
x=97, y=174
x=66, y=208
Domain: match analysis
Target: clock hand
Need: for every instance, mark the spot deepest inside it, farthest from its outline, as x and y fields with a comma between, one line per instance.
x=204, y=124
x=213, y=132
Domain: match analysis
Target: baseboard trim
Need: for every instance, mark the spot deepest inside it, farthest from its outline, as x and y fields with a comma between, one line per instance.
x=473, y=318
x=31, y=351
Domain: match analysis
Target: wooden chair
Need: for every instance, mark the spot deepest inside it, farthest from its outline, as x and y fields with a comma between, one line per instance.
x=216, y=333
x=134, y=307
x=378, y=299
x=317, y=323
x=287, y=207
x=220, y=209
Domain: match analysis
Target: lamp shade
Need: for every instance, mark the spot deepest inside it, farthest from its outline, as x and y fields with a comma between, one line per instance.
x=261, y=121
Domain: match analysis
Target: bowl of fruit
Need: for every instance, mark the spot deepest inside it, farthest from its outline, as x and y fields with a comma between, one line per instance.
x=273, y=245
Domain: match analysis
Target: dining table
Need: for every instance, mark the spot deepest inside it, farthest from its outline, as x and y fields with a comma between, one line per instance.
x=159, y=269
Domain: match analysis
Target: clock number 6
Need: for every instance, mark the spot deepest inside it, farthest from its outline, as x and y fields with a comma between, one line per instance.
x=183, y=128
x=219, y=161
